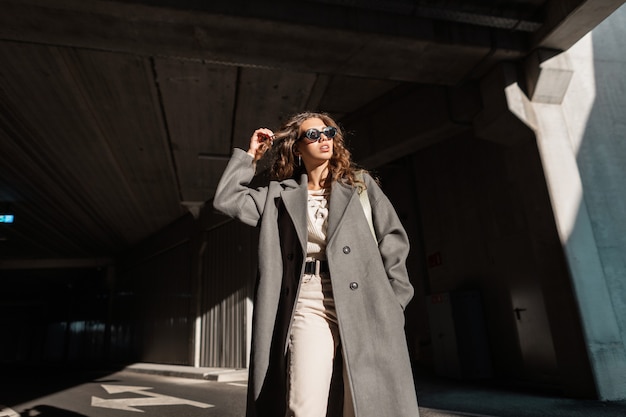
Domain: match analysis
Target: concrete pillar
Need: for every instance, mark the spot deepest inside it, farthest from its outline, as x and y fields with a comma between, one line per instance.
x=559, y=142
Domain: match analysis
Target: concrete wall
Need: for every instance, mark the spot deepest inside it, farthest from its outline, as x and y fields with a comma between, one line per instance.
x=488, y=226
x=599, y=87
x=484, y=221
x=573, y=103
x=595, y=112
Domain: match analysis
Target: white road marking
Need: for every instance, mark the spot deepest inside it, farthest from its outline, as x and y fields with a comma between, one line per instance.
x=129, y=404
x=7, y=412
x=238, y=384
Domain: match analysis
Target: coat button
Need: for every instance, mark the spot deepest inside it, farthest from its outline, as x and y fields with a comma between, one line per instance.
x=346, y=249
x=354, y=285
x=290, y=257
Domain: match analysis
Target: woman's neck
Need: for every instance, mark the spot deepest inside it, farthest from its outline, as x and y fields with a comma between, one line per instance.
x=317, y=176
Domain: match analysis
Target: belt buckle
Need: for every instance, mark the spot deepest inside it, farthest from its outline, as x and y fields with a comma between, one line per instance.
x=315, y=267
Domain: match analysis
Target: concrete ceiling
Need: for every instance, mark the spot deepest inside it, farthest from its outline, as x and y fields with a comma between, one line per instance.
x=116, y=117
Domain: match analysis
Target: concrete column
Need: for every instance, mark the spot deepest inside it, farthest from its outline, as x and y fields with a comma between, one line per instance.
x=558, y=144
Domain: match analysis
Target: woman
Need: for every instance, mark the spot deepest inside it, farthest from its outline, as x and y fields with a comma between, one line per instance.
x=328, y=329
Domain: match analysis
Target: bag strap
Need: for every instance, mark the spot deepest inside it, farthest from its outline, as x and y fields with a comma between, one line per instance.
x=365, y=202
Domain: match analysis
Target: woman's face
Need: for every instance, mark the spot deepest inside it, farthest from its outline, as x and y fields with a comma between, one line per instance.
x=314, y=153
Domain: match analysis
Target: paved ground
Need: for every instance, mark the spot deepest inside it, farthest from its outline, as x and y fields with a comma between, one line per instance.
x=166, y=391
x=119, y=394
x=498, y=400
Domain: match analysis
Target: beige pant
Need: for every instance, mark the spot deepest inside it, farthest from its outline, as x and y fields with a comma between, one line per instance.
x=313, y=341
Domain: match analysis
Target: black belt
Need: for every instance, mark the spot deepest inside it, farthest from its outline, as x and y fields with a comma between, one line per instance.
x=310, y=267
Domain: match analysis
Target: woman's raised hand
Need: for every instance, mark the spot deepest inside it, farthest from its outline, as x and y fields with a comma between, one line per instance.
x=260, y=142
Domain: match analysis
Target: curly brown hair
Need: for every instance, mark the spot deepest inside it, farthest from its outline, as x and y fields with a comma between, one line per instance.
x=284, y=165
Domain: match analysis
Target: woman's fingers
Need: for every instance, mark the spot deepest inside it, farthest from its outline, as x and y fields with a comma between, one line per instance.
x=265, y=135
x=260, y=142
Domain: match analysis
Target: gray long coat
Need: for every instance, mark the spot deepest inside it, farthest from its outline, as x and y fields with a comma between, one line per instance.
x=370, y=286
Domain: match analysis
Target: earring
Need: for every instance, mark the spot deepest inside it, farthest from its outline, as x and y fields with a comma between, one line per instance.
x=299, y=160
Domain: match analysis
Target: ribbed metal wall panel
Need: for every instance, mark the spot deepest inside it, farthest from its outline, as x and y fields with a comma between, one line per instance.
x=228, y=271
x=153, y=313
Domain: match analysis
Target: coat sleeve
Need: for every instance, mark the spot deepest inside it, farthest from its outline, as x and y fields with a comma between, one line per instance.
x=393, y=242
x=233, y=196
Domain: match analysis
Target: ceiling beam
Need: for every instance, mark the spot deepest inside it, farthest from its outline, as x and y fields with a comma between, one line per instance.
x=339, y=13
x=567, y=21
x=354, y=43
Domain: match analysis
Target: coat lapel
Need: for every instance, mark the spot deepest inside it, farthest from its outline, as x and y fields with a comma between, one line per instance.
x=340, y=198
x=295, y=201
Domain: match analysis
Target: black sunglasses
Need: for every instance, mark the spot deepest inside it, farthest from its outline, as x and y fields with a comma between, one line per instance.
x=316, y=134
